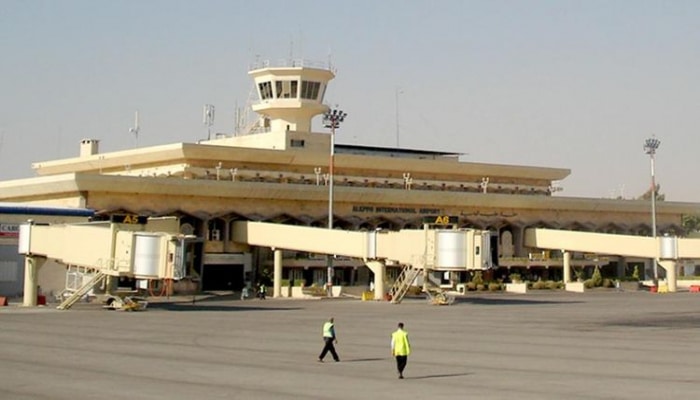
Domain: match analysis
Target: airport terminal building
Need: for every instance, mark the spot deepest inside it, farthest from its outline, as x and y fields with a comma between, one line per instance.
x=280, y=171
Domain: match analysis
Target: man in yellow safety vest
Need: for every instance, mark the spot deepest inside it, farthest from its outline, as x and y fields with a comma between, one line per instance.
x=400, y=348
x=329, y=338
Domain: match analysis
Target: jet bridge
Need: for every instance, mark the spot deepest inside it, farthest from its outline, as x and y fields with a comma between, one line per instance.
x=152, y=249
x=128, y=246
x=418, y=250
x=666, y=250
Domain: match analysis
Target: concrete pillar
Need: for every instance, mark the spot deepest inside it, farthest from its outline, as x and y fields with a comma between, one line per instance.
x=567, y=266
x=621, y=267
x=31, y=279
x=670, y=267
x=518, y=239
x=379, y=270
x=277, y=274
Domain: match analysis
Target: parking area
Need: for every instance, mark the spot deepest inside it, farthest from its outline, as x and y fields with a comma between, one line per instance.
x=549, y=345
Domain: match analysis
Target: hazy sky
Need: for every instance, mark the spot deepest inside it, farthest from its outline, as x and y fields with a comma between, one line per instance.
x=569, y=84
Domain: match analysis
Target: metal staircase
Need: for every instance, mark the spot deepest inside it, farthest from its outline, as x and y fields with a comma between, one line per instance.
x=403, y=282
x=97, y=279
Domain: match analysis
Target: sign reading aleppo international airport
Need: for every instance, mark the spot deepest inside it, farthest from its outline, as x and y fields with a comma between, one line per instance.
x=9, y=230
x=128, y=219
x=394, y=210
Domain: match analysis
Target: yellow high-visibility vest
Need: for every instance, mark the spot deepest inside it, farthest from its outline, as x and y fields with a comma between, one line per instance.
x=399, y=343
x=328, y=330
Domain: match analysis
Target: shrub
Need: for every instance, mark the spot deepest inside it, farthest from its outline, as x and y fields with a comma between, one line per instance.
x=284, y=282
x=553, y=285
x=588, y=284
x=635, y=273
x=478, y=278
x=471, y=286
x=494, y=286
x=514, y=277
x=539, y=285
x=480, y=287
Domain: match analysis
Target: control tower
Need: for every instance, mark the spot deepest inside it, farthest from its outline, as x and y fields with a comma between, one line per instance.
x=290, y=93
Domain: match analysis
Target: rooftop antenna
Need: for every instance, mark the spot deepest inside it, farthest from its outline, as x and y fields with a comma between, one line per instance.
x=135, y=130
x=291, y=49
x=208, y=118
x=397, y=93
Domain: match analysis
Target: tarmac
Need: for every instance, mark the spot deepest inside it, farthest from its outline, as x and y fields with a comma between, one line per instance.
x=540, y=345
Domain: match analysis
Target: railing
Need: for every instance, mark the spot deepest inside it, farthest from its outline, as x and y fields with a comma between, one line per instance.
x=403, y=283
x=73, y=298
x=291, y=63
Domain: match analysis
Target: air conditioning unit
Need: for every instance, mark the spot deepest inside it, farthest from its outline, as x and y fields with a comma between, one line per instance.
x=215, y=235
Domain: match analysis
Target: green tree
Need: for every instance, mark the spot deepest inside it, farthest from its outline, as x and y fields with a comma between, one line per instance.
x=691, y=223
x=635, y=273
x=647, y=194
x=597, y=278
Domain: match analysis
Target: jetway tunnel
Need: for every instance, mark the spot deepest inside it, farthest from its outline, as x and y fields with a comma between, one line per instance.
x=139, y=248
x=665, y=250
x=154, y=250
x=420, y=249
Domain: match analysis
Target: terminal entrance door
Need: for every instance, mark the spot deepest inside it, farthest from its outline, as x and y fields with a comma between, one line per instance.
x=224, y=271
x=223, y=277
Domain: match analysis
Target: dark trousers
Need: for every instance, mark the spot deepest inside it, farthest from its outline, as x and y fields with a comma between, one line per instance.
x=401, y=362
x=329, y=347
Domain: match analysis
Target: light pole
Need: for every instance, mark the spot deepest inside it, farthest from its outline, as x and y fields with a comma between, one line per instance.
x=650, y=146
x=332, y=120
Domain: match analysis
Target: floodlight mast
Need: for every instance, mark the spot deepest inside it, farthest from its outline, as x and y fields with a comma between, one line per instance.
x=331, y=119
x=650, y=147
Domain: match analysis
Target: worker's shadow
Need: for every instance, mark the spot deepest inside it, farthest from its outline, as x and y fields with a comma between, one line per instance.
x=439, y=376
x=365, y=359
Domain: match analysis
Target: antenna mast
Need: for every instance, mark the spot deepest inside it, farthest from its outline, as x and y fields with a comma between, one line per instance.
x=135, y=130
x=208, y=118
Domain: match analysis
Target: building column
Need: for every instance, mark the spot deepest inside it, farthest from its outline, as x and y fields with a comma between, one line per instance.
x=670, y=267
x=518, y=238
x=621, y=266
x=31, y=279
x=567, y=266
x=379, y=270
x=277, y=274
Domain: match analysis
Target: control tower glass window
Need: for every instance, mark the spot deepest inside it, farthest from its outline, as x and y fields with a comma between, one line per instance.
x=309, y=90
x=265, y=90
x=286, y=89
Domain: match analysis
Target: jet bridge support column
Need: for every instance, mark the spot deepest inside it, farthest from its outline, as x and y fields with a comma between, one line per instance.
x=379, y=270
x=567, y=266
x=670, y=267
x=31, y=279
x=277, y=274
